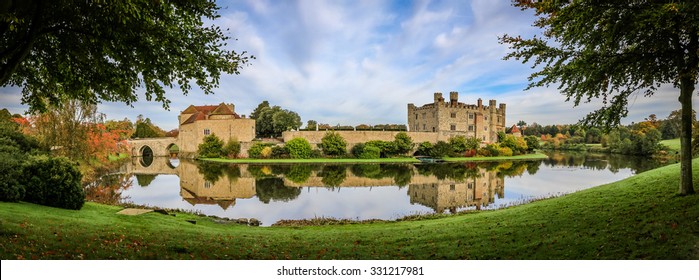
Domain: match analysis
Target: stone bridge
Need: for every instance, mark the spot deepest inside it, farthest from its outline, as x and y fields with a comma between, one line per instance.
x=157, y=147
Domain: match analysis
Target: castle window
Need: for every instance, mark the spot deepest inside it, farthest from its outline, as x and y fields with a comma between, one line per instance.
x=452, y=187
x=207, y=131
x=416, y=116
x=470, y=116
x=207, y=184
x=486, y=117
x=433, y=129
x=424, y=126
x=470, y=128
x=453, y=127
x=453, y=115
x=485, y=128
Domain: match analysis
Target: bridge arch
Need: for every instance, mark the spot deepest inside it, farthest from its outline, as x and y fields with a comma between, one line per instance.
x=158, y=147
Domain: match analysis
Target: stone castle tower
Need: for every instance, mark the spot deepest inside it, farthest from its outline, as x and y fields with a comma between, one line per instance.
x=455, y=118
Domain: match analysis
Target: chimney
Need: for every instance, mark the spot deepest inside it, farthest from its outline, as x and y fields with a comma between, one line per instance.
x=480, y=104
x=453, y=97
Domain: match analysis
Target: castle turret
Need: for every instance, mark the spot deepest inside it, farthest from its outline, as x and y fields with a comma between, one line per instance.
x=453, y=97
x=438, y=97
x=480, y=104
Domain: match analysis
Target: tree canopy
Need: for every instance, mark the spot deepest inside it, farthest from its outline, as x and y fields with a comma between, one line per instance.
x=613, y=50
x=272, y=121
x=96, y=51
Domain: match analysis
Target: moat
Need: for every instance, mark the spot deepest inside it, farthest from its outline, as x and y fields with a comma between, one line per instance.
x=274, y=192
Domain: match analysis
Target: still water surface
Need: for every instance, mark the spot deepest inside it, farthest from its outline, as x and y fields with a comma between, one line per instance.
x=275, y=192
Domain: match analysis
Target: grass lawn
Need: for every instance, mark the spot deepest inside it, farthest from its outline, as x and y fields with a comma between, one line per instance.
x=636, y=218
x=673, y=144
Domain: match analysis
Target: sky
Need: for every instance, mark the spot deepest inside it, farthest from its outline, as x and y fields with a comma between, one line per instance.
x=362, y=62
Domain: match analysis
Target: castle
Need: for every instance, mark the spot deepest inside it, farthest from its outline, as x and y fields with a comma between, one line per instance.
x=456, y=118
x=431, y=122
x=197, y=122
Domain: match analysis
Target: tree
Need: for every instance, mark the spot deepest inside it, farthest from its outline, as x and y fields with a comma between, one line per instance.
x=272, y=121
x=64, y=128
x=311, y=125
x=612, y=50
x=521, y=125
x=107, y=50
x=256, y=113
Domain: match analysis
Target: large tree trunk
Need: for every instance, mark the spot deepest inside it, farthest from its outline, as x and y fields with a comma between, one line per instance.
x=686, y=91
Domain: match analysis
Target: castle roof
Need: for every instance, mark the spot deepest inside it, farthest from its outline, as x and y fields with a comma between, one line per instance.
x=514, y=129
x=203, y=112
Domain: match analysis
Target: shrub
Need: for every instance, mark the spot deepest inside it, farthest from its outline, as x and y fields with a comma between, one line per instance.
x=505, y=152
x=232, y=148
x=388, y=149
x=370, y=152
x=266, y=152
x=516, y=144
x=255, y=151
x=211, y=147
x=424, y=149
x=279, y=152
x=402, y=143
x=11, y=188
x=316, y=153
x=532, y=142
x=333, y=144
x=357, y=150
x=53, y=181
x=441, y=149
x=490, y=150
x=299, y=148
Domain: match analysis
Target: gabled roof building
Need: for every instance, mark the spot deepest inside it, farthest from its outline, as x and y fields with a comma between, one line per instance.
x=196, y=122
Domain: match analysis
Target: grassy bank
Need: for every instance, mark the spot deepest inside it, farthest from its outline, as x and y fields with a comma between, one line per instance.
x=378, y=160
x=672, y=144
x=636, y=218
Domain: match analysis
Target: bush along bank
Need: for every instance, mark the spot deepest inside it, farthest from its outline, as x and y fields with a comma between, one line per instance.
x=333, y=147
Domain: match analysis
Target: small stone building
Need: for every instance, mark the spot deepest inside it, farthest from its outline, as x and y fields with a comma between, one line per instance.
x=196, y=122
x=456, y=118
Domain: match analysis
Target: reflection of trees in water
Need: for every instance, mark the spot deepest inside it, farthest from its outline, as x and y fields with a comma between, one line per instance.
x=401, y=173
x=108, y=189
x=268, y=189
x=144, y=180
x=212, y=171
x=299, y=173
x=333, y=175
x=514, y=168
x=597, y=161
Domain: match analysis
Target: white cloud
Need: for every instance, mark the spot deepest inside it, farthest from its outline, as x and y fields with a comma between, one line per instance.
x=354, y=62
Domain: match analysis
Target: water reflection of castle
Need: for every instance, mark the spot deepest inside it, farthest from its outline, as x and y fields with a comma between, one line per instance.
x=451, y=194
x=440, y=187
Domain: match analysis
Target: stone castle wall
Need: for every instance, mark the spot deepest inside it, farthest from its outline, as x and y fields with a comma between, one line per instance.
x=482, y=122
